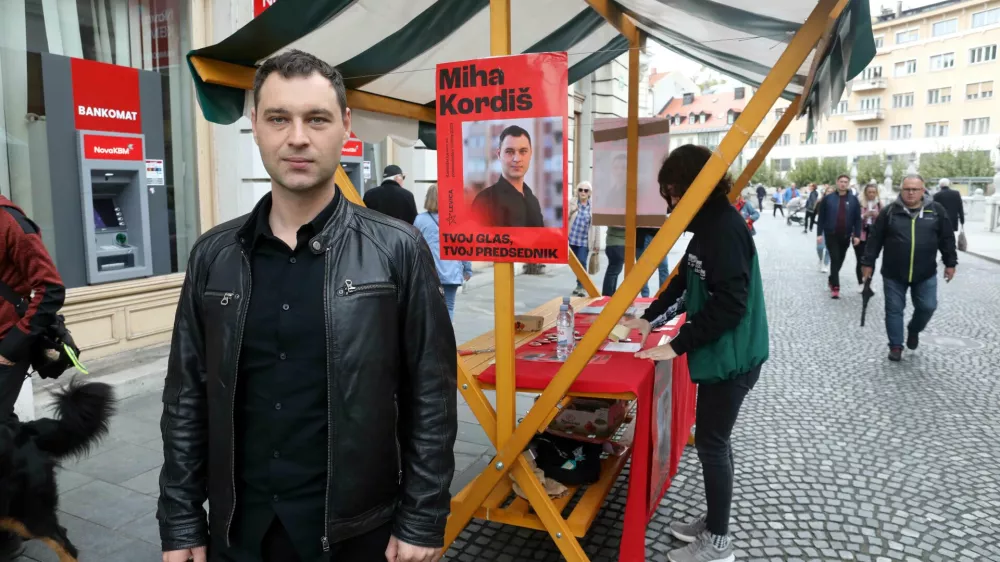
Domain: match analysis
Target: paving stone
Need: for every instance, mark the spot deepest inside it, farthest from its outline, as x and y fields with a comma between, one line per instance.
x=106, y=504
x=146, y=483
x=119, y=464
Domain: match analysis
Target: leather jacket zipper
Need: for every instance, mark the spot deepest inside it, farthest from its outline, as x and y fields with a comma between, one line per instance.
x=349, y=288
x=236, y=370
x=223, y=296
x=330, y=426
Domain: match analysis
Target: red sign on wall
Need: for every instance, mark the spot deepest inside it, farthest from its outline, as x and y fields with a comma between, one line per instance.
x=353, y=147
x=105, y=97
x=109, y=147
x=260, y=5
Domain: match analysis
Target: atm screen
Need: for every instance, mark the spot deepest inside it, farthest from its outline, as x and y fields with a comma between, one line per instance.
x=104, y=214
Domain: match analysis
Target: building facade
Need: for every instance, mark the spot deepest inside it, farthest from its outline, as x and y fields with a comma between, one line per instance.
x=929, y=89
x=704, y=119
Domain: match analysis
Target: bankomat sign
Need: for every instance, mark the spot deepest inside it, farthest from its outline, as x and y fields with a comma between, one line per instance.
x=107, y=147
x=106, y=97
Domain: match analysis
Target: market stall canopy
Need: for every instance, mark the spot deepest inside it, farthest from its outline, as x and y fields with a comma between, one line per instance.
x=387, y=49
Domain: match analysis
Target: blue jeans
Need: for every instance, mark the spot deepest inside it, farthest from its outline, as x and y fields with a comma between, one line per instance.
x=582, y=253
x=616, y=263
x=924, y=296
x=663, y=268
x=449, y=298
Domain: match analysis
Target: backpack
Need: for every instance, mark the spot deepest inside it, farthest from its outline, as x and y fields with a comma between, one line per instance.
x=54, y=350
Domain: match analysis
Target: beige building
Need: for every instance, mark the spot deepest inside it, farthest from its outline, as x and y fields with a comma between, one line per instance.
x=930, y=88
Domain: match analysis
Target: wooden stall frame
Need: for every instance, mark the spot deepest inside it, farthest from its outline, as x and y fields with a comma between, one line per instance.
x=500, y=424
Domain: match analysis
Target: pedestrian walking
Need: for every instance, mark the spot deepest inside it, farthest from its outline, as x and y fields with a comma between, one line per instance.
x=871, y=206
x=811, y=201
x=451, y=273
x=391, y=198
x=314, y=407
x=583, y=237
x=778, y=199
x=761, y=194
x=839, y=220
x=750, y=215
x=951, y=200
x=911, y=230
x=725, y=339
x=614, y=249
x=643, y=236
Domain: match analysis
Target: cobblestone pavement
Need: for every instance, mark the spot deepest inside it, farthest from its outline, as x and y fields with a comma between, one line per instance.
x=841, y=455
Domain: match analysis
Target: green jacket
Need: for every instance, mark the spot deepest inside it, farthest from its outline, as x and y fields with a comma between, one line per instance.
x=726, y=332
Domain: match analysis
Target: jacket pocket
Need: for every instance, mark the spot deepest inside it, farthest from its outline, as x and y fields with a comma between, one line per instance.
x=351, y=289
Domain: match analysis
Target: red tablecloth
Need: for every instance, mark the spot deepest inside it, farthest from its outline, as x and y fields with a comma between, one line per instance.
x=622, y=372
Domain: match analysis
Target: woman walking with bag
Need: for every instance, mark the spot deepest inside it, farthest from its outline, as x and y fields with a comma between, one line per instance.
x=871, y=206
x=451, y=273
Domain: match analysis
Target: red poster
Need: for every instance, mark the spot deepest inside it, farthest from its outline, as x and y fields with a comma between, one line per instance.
x=502, y=165
x=105, y=97
x=260, y=5
x=353, y=147
x=109, y=147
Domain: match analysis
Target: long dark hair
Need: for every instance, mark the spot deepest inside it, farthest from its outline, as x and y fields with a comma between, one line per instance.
x=682, y=166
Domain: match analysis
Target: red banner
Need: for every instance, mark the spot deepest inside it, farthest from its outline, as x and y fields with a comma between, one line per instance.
x=353, y=147
x=260, y=5
x=109, y=147
x=502, y=158
x=105, y=97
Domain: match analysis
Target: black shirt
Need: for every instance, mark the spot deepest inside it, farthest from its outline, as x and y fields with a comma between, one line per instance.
x=282, y=386
x=503, y=205
x=394, y=200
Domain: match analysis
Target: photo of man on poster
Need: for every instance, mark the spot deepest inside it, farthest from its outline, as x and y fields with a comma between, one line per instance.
x=510, y=202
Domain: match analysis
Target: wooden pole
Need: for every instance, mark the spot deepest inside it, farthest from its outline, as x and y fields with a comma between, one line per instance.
x=632, y=174
x=771, y=89
x=503, y=273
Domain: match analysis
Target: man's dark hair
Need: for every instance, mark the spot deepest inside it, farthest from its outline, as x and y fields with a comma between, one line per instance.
x=296, y=63
x=682, y=166
x=844, y=176
x=514, y=131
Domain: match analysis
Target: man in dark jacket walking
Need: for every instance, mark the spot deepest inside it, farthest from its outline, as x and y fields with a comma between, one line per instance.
x=913, y=229
x=810, y=220
x=31, y=294
x=839, y=220
x=761, y=194
x=310, y=390
x=951, y=200
x=391, y=198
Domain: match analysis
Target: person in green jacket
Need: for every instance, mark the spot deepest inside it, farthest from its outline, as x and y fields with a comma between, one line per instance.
x=725, y=337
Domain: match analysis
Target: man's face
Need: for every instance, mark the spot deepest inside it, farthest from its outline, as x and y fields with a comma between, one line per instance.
x=300, y=130
x=843, y=184
x=912, y=192
x=515, y=157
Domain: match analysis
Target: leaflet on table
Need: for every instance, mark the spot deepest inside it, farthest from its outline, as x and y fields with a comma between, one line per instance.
x=502, y=158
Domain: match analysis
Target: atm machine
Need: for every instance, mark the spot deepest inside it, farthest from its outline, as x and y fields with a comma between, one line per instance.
x=115, y=207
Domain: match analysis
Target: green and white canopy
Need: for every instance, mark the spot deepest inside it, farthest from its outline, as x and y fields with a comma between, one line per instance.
x=391, y=47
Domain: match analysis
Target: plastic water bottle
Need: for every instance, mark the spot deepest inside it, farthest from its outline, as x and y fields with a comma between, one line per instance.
x=564, y=333
x=568, y=305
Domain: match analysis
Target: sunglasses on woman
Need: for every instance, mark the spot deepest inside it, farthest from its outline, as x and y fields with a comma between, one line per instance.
x=583, y=190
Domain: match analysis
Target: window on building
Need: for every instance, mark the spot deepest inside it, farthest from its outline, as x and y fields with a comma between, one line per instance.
x=986, y=53
x=943, y=61
x=871, y=73
x=938, y=96
x=781, y=164
x=840, y=108
x=785, y=140
x=988, y=17
x=936, y=130
x=907, y=36
x=836, y=137
x=778, y=112
x=754, y=142
x=900, y=132
x=805, y=139
x=905, y=68
x=946, y=27
x=902, y=100
x=871, y=103
x=879, y=42
x=866, y=134
x=732, y=117
x=979, y=91
x=977, y=126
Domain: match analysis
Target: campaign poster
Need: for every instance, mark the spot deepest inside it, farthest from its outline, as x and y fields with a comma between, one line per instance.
x=611, y=166
x=659, y=472
x=502, y=158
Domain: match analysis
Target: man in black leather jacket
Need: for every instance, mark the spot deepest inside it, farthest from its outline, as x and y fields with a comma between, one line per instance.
x=310, y=392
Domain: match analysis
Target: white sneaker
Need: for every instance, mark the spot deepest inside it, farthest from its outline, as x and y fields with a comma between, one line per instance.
x=821, y=265
x=826, y=269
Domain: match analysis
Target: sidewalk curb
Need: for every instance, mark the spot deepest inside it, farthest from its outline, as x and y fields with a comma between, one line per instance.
x=127, y=382
x=990, y=259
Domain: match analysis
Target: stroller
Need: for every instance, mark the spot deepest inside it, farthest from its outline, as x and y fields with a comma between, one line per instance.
x=796, y=211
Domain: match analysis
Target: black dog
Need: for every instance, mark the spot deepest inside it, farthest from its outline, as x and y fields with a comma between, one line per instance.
x=29, y=454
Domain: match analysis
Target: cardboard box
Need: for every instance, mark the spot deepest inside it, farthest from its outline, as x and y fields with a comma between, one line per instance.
x=528, y=323
x=591, y=417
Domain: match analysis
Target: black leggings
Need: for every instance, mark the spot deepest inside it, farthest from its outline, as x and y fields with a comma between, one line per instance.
x=838, y=246
x=859, y=252
x=11, y=379
x=778, y=207
x=715, y=415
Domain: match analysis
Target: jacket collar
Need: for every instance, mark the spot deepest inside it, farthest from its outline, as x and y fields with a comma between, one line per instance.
x=319, y=243
x=502, y=183
x=713, y=207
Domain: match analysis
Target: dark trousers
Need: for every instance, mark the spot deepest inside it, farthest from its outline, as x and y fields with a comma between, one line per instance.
x=277, y=546
x=859, y=252
x=837, y=246
x=11, y=379
x=760, y=202
x=582, y=253
x=616, y=263
x=778, y=207
x=807, y=225
x=715, y=415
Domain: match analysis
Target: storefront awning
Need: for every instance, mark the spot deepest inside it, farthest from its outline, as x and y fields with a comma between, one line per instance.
x=387, y=49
